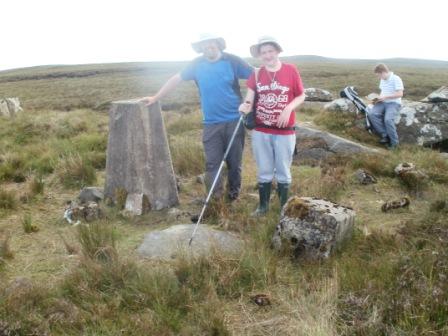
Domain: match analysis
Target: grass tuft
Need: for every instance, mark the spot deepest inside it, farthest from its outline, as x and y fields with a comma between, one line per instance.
x=27, y=224
x=98, y=241
x=8, y=200
x=75, y=172
x=188, y=156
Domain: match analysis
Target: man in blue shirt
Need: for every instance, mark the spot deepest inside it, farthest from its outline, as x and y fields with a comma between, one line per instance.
x=216, y=74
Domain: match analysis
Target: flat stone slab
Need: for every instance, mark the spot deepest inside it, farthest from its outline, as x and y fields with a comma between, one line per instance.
x=440, y=95
x=316, y=145
x=173, y=242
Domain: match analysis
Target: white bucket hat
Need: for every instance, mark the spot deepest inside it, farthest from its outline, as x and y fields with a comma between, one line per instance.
x=197, y=46
x=255, y=49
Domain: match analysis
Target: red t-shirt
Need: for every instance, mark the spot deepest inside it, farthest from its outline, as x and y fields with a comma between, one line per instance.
x=275, y=90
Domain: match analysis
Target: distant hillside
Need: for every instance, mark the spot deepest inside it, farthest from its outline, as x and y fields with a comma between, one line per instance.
x=87, y=70
x=402, y=62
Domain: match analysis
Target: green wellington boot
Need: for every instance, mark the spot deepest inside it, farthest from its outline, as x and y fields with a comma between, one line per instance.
x=264, y=192
x=283, y=193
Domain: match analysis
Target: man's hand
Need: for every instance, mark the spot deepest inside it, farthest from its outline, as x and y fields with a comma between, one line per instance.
x=283, y=119
x=245, y=107
x=380, y=99
x=149, y=100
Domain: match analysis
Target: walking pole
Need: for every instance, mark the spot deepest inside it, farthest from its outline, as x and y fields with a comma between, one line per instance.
x=216, y=179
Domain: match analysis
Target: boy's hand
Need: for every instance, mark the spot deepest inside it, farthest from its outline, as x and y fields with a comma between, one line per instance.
x=283, y=119
x=245, y=107
x=148, y=100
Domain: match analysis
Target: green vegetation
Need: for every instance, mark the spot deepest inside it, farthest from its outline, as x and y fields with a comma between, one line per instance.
x=8, y=200
x=27, y=224
x=390, y=279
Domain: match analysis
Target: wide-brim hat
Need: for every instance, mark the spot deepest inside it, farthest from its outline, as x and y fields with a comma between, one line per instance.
x=197, y=46
x=255, y=49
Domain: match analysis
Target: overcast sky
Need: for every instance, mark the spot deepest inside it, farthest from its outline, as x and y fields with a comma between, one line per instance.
x=93, y=31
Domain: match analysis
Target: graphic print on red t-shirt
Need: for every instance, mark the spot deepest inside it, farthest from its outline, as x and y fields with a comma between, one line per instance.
x=275, y=90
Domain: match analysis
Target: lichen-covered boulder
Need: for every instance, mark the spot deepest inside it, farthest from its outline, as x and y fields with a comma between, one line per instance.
x=312, y=228
x=424, y=124
x=10, y=107
x=318, y=95
x=341, y=105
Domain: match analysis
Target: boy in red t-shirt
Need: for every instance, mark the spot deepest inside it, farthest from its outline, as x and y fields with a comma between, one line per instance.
x=278, y=91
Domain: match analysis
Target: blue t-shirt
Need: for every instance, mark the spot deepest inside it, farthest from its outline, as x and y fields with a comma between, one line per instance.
x=218, y=86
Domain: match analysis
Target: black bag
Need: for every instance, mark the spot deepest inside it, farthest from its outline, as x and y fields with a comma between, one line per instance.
x=249, y=120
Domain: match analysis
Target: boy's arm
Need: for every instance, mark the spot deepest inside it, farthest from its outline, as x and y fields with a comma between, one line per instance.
x=168, y=87
x=248, y=103
x=397, y=94
x=283, y=119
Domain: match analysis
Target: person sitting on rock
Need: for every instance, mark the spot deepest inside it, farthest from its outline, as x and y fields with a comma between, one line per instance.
x=278, y=89
x=387, y=106
x=216, y=74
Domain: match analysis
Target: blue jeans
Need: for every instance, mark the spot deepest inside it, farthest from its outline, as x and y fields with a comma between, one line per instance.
x=382, y=117
x=273, y=154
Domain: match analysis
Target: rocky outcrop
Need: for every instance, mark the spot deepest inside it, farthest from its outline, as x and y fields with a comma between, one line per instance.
x=91, y=194
x=341, y=105
x=138, y=157
x=312, y=228
x=424, y=124
x=438, y=96
x=10, y=107
x=314, y=145
x=173, y=242
x=318, y=95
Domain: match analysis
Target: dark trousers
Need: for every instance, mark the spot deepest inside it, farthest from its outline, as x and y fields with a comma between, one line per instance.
x=216, y=138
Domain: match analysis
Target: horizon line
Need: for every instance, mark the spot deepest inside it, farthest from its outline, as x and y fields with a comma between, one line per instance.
x=247, y=58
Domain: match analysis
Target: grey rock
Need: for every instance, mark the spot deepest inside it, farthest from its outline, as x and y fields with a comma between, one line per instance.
x=444, y=156
x=138, y=156
x=438, y=96
x=173, y=242
x=312, y=228
x=364, y=177
x=88, y=212
x=409, y=174
x=314, y=145
x=340, y=105
x=424, y=124
x=404, y=167
x=200, y=179
x=319, y=95
x=10, y=107
x=91, y=194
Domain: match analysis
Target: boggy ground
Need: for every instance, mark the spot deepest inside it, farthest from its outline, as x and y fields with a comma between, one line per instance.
x=390, y=279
